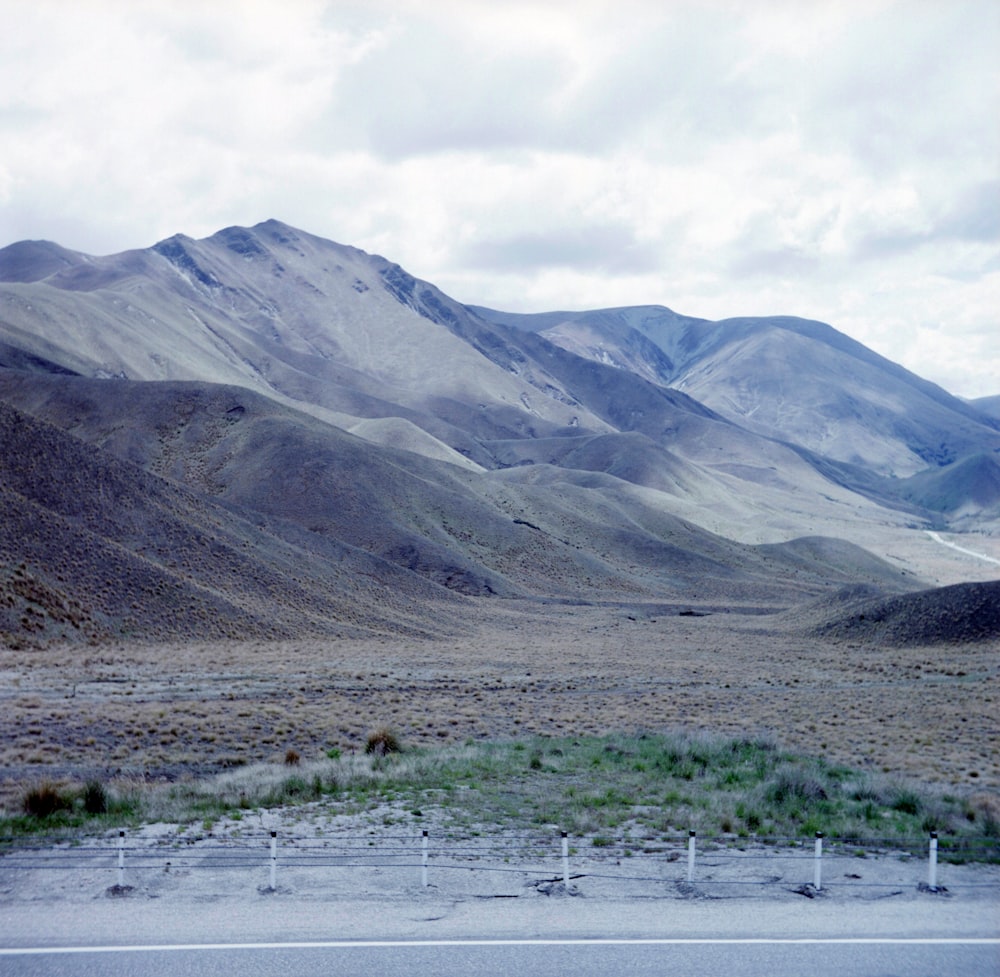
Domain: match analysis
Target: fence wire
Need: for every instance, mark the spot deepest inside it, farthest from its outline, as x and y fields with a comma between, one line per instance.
x=700, y=862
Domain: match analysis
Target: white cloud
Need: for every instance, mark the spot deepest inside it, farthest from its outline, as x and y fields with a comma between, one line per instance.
x=837, y=159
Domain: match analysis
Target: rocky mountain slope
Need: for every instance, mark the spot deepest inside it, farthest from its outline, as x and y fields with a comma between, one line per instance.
x=264, y=432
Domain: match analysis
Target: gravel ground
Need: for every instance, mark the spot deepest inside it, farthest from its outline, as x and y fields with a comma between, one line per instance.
x=181, y=886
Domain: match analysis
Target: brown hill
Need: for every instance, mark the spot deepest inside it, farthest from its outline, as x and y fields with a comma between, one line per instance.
x=92, y=548
x=958, y=614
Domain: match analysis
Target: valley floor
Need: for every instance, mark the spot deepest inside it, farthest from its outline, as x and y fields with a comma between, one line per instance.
x=150, y=712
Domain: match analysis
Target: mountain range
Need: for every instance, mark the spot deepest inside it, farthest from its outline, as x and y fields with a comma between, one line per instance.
x=266, y=433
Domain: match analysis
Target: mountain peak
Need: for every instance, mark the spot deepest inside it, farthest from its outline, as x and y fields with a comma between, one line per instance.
x=32, y=261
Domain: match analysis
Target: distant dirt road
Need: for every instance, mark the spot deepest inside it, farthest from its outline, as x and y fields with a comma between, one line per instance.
x=961, y=549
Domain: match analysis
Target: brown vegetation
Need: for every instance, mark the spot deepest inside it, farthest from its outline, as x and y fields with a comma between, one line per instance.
x=153, y=712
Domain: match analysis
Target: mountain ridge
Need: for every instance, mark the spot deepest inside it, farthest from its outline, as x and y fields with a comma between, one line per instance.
x=697, y=352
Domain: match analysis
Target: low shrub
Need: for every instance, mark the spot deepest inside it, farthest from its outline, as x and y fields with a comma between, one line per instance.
x=906, y=802
x=795, y=786
x=95, y=798
x=291, y=790
x=44, y=800
x=749, y=816
x=382, y=742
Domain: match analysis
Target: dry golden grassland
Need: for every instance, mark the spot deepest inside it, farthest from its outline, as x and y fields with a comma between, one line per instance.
x=148, y=712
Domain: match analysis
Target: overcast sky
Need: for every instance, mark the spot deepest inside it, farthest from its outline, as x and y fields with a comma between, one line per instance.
x=833, y=159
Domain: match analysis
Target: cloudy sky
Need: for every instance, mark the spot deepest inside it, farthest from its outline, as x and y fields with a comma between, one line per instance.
x=834, y=159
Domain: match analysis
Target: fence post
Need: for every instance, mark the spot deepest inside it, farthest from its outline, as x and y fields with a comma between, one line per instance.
x=818, y=866
x=691, y=844
x=121, y=858
x=565, y=859
x=423, y=861
x=274, y=858
x=932, y=863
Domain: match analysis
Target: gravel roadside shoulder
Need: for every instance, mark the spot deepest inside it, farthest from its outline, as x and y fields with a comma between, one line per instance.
x=210, y=889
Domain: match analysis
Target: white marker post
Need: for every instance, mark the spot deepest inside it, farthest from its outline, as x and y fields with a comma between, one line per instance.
x=818, y=863
x=932, y=864
x=565, y=859
x=121, y=859
x=423, y=861
x=274, y=858
x=691, y=844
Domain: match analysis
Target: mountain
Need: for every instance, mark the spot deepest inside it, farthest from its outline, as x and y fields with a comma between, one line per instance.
x=210, y=479
x=968, y=488
x=988, y=405
x=794, y=379
x=354, y=340
x=276, y=310
x=283, y=435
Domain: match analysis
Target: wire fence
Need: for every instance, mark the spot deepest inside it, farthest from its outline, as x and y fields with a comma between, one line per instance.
x=398, y=862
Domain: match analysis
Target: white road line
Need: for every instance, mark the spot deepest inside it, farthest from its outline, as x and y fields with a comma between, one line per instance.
x=652, y=941
x=961, y=549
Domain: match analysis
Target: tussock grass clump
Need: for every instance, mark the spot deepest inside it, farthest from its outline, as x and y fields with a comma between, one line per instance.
x=382, y=742
x=984, y=809
x=793, y=785
x=45, y=800
x=95, y=798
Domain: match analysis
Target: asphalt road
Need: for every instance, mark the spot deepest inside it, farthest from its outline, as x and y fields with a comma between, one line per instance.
x=582, y=958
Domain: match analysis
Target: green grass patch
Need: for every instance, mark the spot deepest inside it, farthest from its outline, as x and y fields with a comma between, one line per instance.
x=646, y=786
